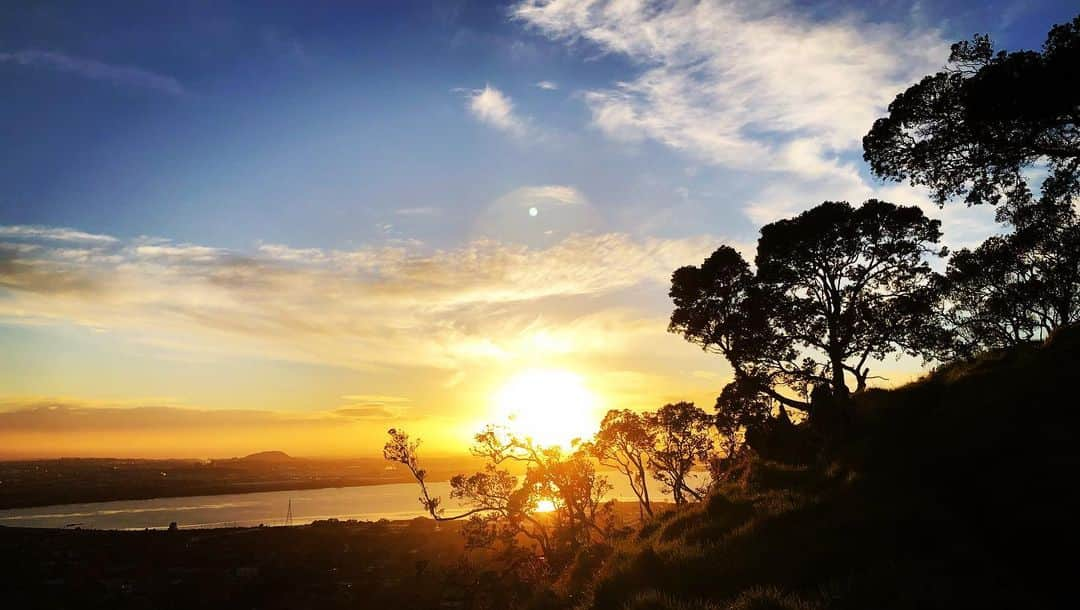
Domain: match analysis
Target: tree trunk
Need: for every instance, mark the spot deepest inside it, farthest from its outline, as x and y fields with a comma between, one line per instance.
x=645, y=489
x=839, y=387
x=860, y=379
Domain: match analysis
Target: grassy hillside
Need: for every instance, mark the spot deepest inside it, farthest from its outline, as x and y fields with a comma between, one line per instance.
x=951, y=492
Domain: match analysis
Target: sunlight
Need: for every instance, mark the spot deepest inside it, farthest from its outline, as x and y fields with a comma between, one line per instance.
x=552, y=407
x=544, y=506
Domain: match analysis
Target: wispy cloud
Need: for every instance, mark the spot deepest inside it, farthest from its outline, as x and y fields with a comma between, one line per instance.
x=494, y=108
x=92, y=69
x=547, y=85
x=757, y=88
x=401, y=305
x=150, y=428
x=37, y=232
x=367, y=412
x=738, y=84
x=377, y=399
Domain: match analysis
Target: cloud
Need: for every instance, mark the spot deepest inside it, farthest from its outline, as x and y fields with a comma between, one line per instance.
x=373, y=406
x=492, y=107
x=59, y=414
x=367, y=412
x=376, y=399
x=757, y=88
x=547, y=85
x=129, y=76
x=736, y=83
x=54, y=427
x=377, y=306
x=53, y=234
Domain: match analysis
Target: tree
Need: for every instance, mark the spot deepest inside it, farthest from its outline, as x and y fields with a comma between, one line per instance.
x=403, y=450
x=740, y=408
x=970, y=130
x=624, y=442
x=851, y=284
x=502, y=508
x=835, y=287
x=1014, y=288
x=721, y=307
x=984, y=299
x=568, y=481
x=683, y=440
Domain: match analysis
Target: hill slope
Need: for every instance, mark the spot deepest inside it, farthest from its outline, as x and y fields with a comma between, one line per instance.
x=951, y=492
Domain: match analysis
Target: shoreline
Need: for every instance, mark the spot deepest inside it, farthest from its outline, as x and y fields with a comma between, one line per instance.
x=210, y=491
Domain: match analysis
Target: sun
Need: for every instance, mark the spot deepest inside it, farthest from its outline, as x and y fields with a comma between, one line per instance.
x=544, y=506
x=552, y=407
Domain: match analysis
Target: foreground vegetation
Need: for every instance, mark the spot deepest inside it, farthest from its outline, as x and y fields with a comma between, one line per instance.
x=951, y=492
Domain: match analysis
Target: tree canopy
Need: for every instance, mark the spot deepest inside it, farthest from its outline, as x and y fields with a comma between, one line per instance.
x=624, y=442
x=835, y=288
x=969, y=130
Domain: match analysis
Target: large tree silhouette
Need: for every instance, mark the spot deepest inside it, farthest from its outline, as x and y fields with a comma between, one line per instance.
x=835, y=288
x=970, y=130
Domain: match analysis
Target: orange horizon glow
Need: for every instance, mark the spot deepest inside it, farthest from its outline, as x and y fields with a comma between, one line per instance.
x=550, y=404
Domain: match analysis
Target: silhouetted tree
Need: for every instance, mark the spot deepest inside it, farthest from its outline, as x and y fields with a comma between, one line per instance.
x=970, y=130
x=1014, y=288
x=721, y=307
x=624, y=442
x=851, y=284
x=740, y=408
x=836, y=287
x=683, y=438
x=568, y=480
x=502, y=507
x=985, y=296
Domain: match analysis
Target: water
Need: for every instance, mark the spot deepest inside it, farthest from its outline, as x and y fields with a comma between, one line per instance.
x=370, y=503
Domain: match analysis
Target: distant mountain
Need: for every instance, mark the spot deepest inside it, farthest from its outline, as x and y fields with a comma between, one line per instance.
x=268, y=456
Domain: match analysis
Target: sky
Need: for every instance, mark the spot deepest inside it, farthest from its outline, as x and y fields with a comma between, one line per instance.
x=228, y=227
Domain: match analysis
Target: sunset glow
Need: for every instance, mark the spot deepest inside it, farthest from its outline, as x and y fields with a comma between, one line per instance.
x=552, y=407
x=545, y=506
x=376, y=240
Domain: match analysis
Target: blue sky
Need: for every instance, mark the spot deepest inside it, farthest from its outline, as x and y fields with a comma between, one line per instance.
x=335, y=196
x=312, y=125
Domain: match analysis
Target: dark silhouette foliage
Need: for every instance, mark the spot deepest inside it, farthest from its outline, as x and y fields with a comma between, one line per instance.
x=947, y=495
x=835, y=288
x=624, y=442
x=683, y=439
x=970, y=130
x=501, y=508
